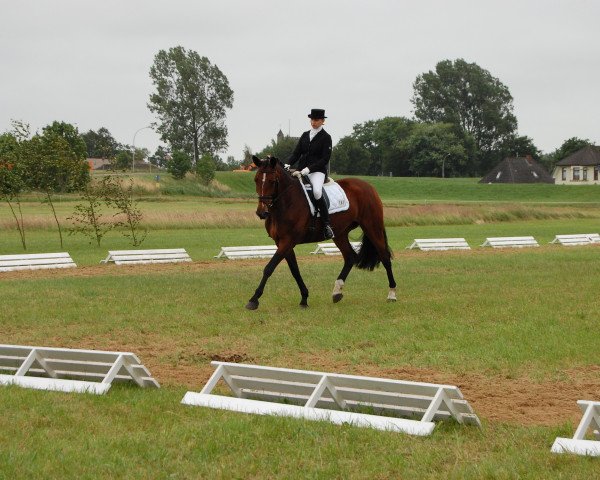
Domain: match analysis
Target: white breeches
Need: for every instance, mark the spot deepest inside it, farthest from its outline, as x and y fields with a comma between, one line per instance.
x=316, y=180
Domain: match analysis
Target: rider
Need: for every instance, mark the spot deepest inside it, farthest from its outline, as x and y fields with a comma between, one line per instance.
x=312, y=154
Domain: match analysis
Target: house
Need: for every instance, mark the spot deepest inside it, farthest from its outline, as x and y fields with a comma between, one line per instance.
x=518, y=170
x=99, y=163
x=579, y=168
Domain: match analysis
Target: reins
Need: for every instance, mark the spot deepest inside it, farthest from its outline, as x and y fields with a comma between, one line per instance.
x=274, y=197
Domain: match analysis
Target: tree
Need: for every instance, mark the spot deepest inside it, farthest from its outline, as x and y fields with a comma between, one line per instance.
x=87, y=216
x=54, y=167
x=220, y=165
x=469, y=97
x=122, y=160
x=205, y=169
x=160, y=157
x=350, y=157
x=520, y=146
x=20, y=130
x=568, y=147
x=179, y=164
x=100, y=144
x=232, y=163
x=380, y=138
x=61, y=154
x=141, y=154
x=12, y=174
x=247, y=154
x=71, y=134
x=191, y=99
x=52, y=162
x=434, y=150
x=281, y=149
x=121, y=198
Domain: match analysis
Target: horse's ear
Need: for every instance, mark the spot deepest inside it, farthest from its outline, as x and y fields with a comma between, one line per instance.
x=273, y=161
x=256, y=161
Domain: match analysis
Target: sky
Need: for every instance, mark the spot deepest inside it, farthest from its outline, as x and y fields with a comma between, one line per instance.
x=87, y=62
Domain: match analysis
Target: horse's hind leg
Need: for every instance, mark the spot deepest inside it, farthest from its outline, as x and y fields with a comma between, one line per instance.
x=376, y=235
x=387, y=264
x=293, y=264
x=349, y=255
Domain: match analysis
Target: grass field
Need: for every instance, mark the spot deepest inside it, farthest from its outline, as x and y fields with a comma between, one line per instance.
x=422, y=190
x=516, y=330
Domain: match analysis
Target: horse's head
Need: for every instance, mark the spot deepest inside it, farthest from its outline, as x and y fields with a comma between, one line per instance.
x=267, y=181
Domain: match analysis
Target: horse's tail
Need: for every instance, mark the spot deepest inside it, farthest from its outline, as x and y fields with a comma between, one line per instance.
x=368, y=257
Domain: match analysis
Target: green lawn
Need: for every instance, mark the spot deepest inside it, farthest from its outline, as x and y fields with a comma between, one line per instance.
x=499, y=310
x=402, y=189
x=484, y=314
x=142, y=434
x=205, y=243
x=515, y=329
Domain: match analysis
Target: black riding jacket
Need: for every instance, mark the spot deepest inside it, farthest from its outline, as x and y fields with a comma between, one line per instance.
x=314, y=155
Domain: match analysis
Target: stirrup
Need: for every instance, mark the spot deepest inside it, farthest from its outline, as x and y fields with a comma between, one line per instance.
x=328, y=232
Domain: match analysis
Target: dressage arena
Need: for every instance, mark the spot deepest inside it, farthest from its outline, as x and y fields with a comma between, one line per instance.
x=514, y=329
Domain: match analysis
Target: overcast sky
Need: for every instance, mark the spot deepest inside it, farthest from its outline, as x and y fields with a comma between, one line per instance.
x=87, y=62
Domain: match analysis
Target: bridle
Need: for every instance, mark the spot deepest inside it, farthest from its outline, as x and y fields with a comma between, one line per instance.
x=275, y=195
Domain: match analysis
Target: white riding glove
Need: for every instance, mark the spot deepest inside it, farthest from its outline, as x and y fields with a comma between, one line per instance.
x=305, y=171
x=296, y=174
x=287, y=167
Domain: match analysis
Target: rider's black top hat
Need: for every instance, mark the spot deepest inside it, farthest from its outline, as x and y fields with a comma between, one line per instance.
x=317, y=113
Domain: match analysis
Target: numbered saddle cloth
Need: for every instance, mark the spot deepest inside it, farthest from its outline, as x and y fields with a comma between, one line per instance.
x=334, y=195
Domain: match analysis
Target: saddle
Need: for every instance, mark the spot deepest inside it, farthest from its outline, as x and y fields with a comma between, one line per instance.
x=335, y=197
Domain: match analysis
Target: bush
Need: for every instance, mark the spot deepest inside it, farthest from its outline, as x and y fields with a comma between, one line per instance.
x=179, y=164
x=205, y=169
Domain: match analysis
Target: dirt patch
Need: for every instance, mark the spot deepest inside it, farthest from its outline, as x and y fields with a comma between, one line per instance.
x=517, y=400
x=125, y=270
x=173, y=363
x=512, y=400
x=520, y=400
x=211, y=265
x=230, y=357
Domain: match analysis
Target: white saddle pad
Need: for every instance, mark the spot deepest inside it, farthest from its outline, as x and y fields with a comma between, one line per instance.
x=338, y=201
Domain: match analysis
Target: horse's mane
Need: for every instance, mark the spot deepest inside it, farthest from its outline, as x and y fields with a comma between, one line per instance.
x=265, y=163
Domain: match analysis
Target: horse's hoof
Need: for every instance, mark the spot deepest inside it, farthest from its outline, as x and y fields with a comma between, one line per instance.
x=303, y=305
x=391, y=295
x=252, y=305
x=337, y=297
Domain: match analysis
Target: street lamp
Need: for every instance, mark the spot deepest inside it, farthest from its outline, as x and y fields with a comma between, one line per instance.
x=133, y=147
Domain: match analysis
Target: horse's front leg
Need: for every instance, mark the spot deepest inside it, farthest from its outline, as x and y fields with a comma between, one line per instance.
x=267, y=272
x=293, y=264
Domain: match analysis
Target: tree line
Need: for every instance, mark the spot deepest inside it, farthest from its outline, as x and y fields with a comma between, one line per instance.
x=463, y=125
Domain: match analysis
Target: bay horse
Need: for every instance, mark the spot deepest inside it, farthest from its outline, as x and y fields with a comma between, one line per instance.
x=284, y=207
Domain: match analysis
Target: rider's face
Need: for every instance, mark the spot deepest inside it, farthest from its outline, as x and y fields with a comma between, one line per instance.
x=316, y=122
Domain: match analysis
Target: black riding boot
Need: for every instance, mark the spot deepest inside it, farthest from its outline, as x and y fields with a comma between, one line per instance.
x=322, y=206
